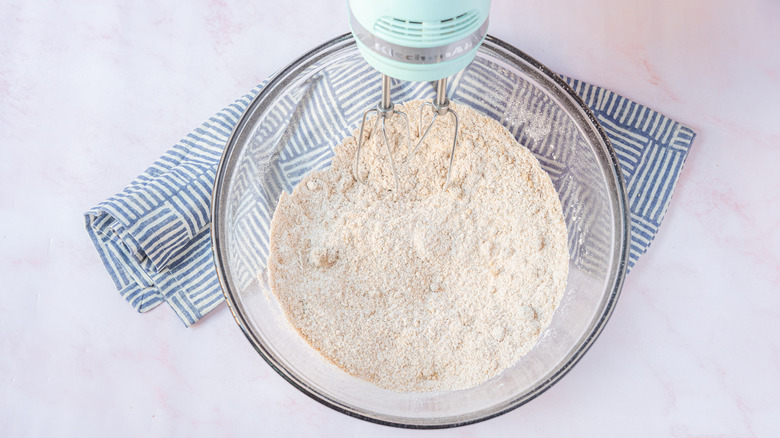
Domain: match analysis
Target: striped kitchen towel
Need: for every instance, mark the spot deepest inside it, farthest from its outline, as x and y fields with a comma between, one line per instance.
x=154, y=237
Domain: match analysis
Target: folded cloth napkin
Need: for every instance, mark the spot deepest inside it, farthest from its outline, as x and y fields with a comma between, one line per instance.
x=154, y=236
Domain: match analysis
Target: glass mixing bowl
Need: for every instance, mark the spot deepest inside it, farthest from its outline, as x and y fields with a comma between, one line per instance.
x=290, y=129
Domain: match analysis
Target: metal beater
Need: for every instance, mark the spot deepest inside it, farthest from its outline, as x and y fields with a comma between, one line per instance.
x=441, y=107
x=384, y=110
x=416, y=40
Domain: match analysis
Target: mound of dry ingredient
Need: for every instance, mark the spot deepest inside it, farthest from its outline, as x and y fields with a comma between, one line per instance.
x=425, y=289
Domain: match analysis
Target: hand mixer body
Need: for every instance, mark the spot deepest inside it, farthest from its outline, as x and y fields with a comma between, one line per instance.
x=416, y=40
x=419, y=40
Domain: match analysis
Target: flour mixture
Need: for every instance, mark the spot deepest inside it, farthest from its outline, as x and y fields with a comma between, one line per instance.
x=426, y=289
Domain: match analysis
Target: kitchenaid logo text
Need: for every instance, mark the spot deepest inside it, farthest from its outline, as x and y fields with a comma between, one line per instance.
x=422, y=58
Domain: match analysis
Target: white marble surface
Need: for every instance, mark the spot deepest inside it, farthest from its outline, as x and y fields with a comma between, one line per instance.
x=91, y=92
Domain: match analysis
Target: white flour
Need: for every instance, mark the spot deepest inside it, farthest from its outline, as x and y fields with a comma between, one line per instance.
x=425, y=289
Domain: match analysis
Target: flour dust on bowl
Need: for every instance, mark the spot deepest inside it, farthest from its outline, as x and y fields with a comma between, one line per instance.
x=291, y=129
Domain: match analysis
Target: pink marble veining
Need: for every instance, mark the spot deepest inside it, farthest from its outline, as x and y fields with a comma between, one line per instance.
x=92, y=92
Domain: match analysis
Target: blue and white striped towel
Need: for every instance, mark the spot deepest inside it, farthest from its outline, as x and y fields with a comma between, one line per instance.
x=154, y=236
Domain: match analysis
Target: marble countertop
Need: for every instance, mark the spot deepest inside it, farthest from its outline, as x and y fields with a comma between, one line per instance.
x=93, y=92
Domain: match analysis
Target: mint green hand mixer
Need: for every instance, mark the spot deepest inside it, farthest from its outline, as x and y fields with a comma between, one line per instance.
x=416, y=40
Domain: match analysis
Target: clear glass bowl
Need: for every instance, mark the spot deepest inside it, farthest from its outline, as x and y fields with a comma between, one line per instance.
x=290, y=129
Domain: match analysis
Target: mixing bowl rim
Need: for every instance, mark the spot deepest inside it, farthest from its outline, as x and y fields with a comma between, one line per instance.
x=278, y=81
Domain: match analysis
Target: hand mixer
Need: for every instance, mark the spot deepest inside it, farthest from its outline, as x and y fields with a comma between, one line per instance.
x=416, y=40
